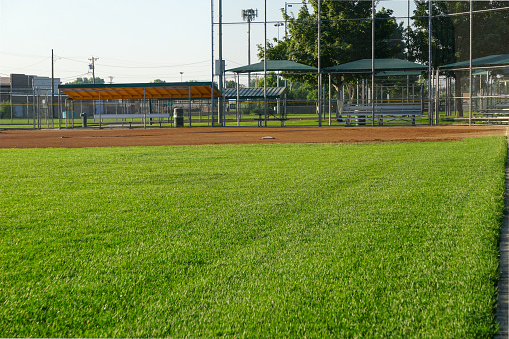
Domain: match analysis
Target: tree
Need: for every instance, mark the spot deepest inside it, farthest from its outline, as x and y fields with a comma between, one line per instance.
x=271, y=80
x=345, y=37
x=451, y=35
x=301, y=91
x=233, y=84
x=5, y=110
x=158, y=81
x=86, y=81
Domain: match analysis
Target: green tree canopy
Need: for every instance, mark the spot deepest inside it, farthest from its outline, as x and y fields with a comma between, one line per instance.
x=5, y=109
x=271, y=80
x=451, y=34
x=85, y=81
x=233, y=84
x=346, y=35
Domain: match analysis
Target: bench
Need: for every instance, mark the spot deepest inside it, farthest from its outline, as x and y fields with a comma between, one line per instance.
x=382, y=112
x=270, y=116
x=494, y=115
x=132, y=116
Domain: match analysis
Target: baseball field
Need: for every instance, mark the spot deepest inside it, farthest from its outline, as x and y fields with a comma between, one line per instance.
x=205, y=232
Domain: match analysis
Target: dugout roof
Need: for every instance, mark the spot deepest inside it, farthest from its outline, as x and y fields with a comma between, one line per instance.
x=275, y=65
x=253, y=92
x=176, y=90
x=381, y=65
x=490, y=60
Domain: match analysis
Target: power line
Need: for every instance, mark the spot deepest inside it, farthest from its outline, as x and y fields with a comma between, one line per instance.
x=155, y=67
x=141, y=67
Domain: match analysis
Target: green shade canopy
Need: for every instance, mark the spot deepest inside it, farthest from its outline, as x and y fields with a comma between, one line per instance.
x=275, y=65
x=381, y=65
x=253, y=93
x=490, y=60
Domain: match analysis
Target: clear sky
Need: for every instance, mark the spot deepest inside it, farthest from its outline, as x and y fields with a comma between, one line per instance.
x=135, y=40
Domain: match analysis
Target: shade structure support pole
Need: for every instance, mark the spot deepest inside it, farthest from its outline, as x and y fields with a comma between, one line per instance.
x=372, y=62
x=330, y=100
x=33, y=104
x=212, y=63
x=265, y=63
x=278, y=101
x=470, y=69
x=437, y=95
x=319, y=64
x=145, y=110
x=52, y=90
x=190, y=105
x=100, y=118
x=72, y=114
x=430, y=70
x=238, y=101
x=59, y=111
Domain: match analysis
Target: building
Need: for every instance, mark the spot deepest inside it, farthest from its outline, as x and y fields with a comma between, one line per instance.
x=21, y=89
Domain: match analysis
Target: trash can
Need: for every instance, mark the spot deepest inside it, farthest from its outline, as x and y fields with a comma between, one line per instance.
x=178, y=117
x=83, y=119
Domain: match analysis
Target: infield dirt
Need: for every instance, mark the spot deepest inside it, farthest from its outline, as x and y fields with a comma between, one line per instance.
x=78, y=137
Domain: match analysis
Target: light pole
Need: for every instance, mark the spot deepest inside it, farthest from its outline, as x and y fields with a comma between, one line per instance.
x=279, y=24
x=181, y=76
x=248, y=15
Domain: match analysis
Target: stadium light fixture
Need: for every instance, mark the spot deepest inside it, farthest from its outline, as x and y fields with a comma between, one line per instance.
x=249, y=15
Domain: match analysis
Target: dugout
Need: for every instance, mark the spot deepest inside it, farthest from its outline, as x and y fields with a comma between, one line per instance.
x=393, y=96
x=486, y=96
x=251, y=101
x=275, y=109
x=145, y=103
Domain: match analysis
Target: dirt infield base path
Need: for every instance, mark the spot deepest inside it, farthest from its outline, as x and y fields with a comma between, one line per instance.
x=78, y=137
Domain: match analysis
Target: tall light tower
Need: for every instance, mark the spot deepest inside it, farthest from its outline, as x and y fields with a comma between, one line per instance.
x=249, y=15
x=279, y=24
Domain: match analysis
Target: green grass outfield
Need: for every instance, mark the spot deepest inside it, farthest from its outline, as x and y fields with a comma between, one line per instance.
x=339, y=240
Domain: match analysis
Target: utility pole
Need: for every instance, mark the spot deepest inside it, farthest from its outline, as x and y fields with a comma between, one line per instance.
x=92, y=67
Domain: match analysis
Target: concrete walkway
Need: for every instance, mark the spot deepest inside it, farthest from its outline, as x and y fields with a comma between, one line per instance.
x=503, y=282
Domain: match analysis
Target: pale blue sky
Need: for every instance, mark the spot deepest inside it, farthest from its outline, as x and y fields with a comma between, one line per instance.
x=135, y=40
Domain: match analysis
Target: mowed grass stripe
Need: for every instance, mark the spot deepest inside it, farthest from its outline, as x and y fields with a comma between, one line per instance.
x=335, y=240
